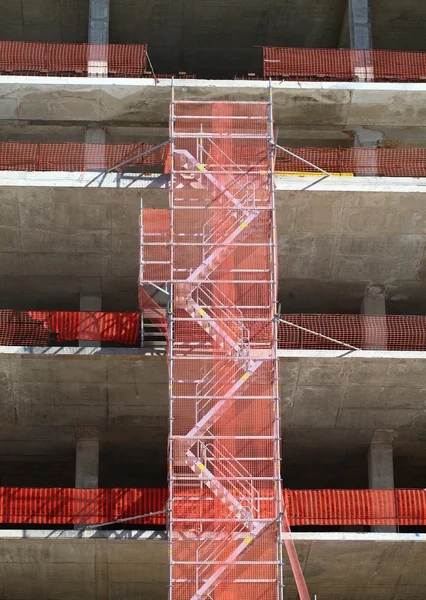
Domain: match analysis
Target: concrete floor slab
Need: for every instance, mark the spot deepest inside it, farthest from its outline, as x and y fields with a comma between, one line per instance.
x=145, y=102
x=133, y=564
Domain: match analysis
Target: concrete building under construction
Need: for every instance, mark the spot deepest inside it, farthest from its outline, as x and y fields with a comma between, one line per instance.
x=212, y=316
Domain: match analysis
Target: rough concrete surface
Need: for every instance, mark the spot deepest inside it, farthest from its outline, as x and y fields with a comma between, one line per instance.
x=330, y=410
x=136, y=569
x=145, y=102
x=54, y=242
x=189, y=36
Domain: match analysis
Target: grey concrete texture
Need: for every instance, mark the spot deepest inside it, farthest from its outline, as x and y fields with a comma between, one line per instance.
x=189, y=36
x=57, y=242
x=44, y=20
x=132, y=569
x=55, y=246
x=145, y=103
x=330, y=410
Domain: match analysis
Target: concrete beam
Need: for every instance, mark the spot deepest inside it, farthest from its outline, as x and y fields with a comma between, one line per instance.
x=380, y=467
x=96, y=179
x=87, y=458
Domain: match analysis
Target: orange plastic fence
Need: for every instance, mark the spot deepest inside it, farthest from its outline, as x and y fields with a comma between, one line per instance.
x=304, y=507
x=386, y=162
x=16, y=156
x=391, y=332
x=57, y=59
x=343, y=64
x=40, y=328
x=66, y=506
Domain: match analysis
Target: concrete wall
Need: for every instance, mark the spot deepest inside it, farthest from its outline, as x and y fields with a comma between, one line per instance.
x=190, y=36
x=330, y=410
x=371, y=567
x=56, y=241
x=44, y=21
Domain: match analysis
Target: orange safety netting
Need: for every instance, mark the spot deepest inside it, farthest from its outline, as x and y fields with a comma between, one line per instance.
x=343, y=64
x=70, y=156
x=41, y=328
x=225, y=493
x=58, y=59
x=366, y=332
x=384, y=162
x=51, y=506
x=66, y=506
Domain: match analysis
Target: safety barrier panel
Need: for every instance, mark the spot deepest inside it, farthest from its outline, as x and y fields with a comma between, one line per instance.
x=297, y=332
x=341, y=64
x=66, y=506
x=41, y=328
x=385, y=162
x=16, y=156
x=57, y=59
x=366, y=332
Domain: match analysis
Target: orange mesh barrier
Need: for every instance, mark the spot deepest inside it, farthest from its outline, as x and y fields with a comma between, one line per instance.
x=66, y=506
x=367, y=332
x=343, y=65
x=16, y=156
x=225, y=493
x=41, y=328
x=304, y=507
x=385, y=162
x=57, y=59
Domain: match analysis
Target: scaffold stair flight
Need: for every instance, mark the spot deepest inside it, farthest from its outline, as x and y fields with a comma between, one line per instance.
x=225, y=536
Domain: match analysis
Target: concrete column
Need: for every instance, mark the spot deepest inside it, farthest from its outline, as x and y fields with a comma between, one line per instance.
x=95, y=149
x=375, y=330
x=98, y=37
x=359, y=25
x=86, y=470
x=87, y=458
x=91, y=302
x=367, y=160
x=380, y=467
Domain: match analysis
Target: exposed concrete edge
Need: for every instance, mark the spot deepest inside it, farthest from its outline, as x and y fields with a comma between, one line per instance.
x=96, y=179
x=98, y=83
x=121, y=534
x=96, y=351
x=83, y=351
x=72, y=534
x=359, y=537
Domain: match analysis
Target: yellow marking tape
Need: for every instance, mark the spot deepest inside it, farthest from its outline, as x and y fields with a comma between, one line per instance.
x=248, y=539
x=201, y=167
x=201, y=467
x=313, y=174
x=202, y=312
x=245, y=376
x=243, y=225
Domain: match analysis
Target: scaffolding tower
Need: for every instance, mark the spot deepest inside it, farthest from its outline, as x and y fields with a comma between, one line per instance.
x=218, y=265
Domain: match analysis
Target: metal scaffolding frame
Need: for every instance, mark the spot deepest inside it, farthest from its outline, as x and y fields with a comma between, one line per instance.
x=219, y=267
